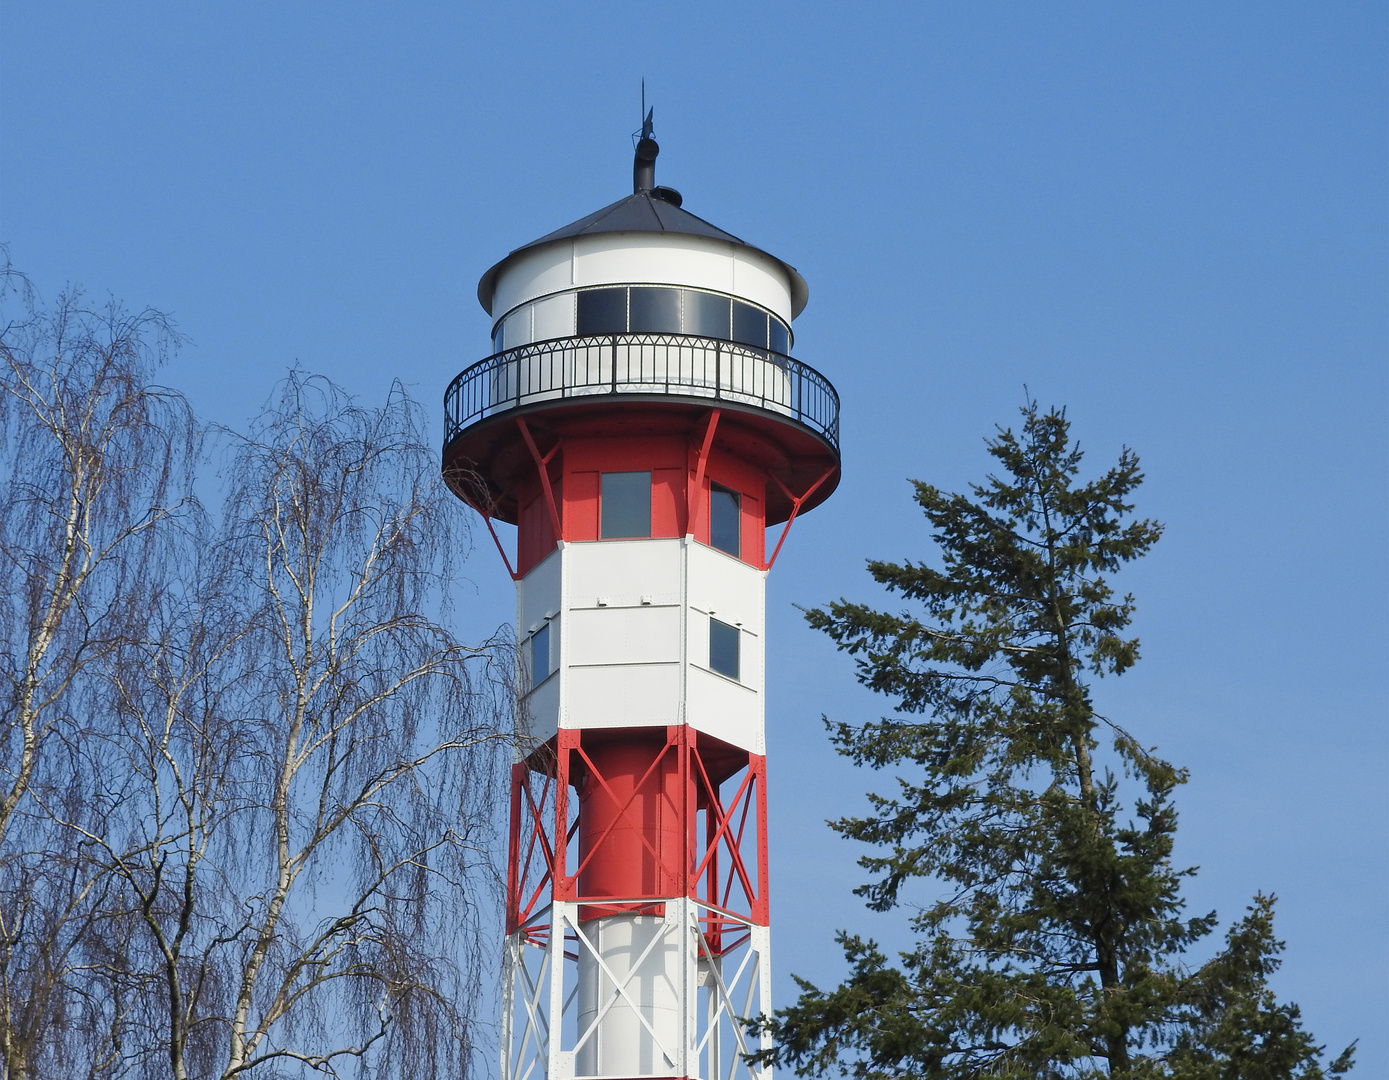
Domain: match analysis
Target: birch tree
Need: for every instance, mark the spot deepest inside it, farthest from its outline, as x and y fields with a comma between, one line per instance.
x=313, y=753
x=249, y=767
x=96, y=464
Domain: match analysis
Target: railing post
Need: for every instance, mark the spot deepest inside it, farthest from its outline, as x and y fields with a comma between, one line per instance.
x=718, y=369
x=614, y=375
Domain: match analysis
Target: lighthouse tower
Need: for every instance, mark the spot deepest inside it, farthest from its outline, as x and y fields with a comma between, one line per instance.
x=643, y=424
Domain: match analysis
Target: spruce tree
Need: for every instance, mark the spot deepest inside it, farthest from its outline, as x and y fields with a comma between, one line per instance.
x=1054, y=939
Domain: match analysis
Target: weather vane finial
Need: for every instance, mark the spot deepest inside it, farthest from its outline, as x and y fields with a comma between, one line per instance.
x=646, y=114
x=644, y=164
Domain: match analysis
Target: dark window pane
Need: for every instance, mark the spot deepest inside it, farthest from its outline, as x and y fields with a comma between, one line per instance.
x=779, y=338
x=749, y=325
x=724, y=519
x=602, y=311
x=706, y=315
x=655, y=311
x=723, y=648
x=626, y=505
x=540, y=655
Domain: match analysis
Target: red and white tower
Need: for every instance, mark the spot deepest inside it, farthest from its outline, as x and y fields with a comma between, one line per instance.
x=642, y=424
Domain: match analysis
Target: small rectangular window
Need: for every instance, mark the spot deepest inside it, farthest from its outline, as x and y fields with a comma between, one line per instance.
x=749, y=325
x=602, y=311
x=706, y=315
x=625, y=508
x=540, y=655
x=655, y=311
x=724, y=642
x=725, y=519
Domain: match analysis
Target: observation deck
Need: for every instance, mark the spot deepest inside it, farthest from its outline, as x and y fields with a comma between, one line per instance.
x=780, y=412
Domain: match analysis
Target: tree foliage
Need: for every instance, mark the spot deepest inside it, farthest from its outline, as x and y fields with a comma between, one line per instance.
x=1055, y=943
x=249, y=769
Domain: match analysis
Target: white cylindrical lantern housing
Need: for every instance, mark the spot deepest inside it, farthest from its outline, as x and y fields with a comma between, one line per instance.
x=536, y=291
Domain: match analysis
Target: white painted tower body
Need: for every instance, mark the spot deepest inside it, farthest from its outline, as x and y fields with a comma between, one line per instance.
x=642, y=423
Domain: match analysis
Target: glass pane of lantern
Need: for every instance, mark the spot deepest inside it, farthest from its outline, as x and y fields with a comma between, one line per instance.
x=749, y=325
x=779, y=339
x=655, y=311
x=602, y=311
x=706, y=314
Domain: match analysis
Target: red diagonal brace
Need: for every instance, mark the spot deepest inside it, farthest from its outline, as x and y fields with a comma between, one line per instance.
x=697, y=488
x=541, y=464
x=538, y=834
x=501, y=550
x=736, y=846
x=732, y=842
x=636, y=790
x=796, y=508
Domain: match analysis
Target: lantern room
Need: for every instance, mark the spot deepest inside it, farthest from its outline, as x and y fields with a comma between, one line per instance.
x=616, y=335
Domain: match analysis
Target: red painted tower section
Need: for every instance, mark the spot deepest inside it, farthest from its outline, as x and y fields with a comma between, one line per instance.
x=642, y=423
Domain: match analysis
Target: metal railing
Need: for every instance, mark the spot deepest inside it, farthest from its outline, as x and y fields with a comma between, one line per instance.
x=671, y=365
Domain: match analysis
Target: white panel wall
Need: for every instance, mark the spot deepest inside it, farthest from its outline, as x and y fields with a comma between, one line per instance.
x=538, y=599
x=733, y=592
x=618, y=258
x=725, y=709
x=539, y=718
x=727, y=587
x=756, y=276
x=623, y=635
x=553, y=317
x=623, y=695
x=538, y=595
x=622, y=572
x=540, y=271
x=624, y=648
x=749, y=651
x=632, y=258
x=630, y=641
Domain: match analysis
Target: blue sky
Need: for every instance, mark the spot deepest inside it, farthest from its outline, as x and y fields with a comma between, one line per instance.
x=1170, y=218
